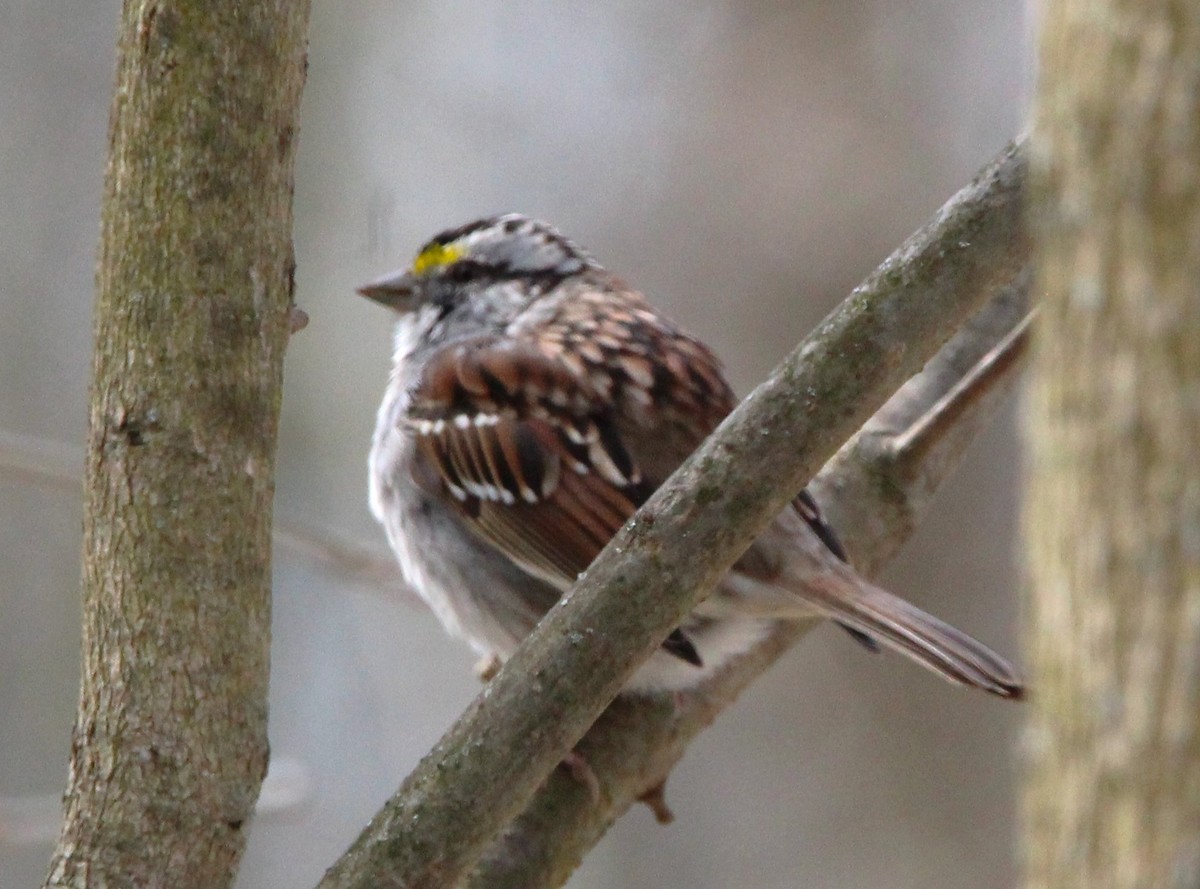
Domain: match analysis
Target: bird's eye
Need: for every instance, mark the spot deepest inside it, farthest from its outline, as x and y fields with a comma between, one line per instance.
x=464, y=270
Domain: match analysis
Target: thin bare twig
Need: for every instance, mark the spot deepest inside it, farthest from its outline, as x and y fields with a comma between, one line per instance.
x=931, y=429
x=58, y=466
x=859, y=501
x=42, y=462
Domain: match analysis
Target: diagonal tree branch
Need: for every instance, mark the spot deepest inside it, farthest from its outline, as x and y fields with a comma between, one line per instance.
x=883, y=477
x=917, y=438
x=485, y=770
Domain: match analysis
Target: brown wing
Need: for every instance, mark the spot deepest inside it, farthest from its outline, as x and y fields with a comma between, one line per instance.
x=549, y=443
x=518, y=445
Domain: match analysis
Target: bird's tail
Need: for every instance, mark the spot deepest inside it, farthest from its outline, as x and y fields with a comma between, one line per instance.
x=893, y=622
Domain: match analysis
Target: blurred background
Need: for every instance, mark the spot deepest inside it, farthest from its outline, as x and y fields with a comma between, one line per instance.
x=745, y=163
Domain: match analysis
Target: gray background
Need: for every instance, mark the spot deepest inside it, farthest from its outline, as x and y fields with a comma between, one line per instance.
x=745, y=163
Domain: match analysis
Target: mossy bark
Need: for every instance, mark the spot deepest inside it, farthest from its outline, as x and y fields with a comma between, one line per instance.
x=192, y=319
x=1113, y=424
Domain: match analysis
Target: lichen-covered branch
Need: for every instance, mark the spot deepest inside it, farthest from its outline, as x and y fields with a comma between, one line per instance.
x=485, y=770
x=192, y=318
x=877, y=486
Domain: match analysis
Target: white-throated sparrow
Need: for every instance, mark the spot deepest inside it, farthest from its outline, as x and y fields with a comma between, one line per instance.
x=535, y=401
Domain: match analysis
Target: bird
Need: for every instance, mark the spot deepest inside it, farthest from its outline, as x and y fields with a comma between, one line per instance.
x=535, y=401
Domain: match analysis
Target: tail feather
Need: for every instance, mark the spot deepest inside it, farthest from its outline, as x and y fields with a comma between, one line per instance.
x=903, y=627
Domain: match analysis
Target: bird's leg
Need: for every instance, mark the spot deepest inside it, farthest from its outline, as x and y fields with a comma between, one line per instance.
x=487, y=667
x=656, y=800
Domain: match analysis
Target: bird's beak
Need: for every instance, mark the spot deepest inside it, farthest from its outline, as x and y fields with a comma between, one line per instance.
x=393, y=290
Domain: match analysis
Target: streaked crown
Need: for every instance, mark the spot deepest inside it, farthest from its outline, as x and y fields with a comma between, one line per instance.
x=459, y=261
x=500, y=247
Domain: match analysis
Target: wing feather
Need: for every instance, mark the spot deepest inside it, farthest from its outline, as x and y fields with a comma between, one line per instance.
x=531, y=453
x=543, y=441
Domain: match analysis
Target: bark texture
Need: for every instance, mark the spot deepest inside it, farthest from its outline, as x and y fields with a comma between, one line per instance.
x=194, y=293
x=1113, y=424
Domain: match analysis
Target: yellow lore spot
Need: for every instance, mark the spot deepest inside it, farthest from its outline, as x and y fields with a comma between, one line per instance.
x=436, y=256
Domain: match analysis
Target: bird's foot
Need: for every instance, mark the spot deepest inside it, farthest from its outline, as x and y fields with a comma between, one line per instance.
x=656, y=800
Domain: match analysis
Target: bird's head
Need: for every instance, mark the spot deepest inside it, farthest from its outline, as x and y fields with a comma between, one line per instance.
x=475, y=257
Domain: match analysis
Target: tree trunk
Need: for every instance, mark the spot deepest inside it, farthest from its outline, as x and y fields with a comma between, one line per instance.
x=195, y=286
x=1113, y=422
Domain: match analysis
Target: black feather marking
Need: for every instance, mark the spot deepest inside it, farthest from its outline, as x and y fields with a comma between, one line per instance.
x=811, y=513
x=861, y=638
x=531, y=457
x=504, y=474
x=681, y=646
x=610, y=440
x=450, y=235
